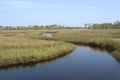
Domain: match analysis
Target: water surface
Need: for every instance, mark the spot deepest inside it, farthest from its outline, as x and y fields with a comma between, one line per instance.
x=47, y=34
x=83, y=63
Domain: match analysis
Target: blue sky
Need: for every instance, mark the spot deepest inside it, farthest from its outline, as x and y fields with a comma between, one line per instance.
x=66, y=12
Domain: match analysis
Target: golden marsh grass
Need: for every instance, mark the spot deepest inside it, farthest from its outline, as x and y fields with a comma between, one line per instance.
x=22, y=49
x=103, y=38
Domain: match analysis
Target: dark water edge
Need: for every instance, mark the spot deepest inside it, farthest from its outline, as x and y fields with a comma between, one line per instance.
x=84, y=63
x=33, y=63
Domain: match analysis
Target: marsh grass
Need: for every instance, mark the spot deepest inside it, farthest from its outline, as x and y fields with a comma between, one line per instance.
x=102, y=38
x=32, y=47
x=20, y=50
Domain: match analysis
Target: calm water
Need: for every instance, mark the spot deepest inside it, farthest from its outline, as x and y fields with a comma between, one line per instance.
x=82, y=64
x=47, y=34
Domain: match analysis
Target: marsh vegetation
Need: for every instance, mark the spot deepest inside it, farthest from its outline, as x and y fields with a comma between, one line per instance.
x=102, y=38
x=22, y=49
x=32, y=46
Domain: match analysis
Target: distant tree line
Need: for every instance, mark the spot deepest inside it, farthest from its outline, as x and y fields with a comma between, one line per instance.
x=115, y=25
x=36, y=27
x=29, y=27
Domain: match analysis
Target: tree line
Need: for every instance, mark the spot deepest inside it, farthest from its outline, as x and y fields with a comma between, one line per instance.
x=115, y=25
x=36, y=27
x=54, y=26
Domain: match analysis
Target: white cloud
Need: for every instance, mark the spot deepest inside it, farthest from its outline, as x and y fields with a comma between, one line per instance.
x=15, y=4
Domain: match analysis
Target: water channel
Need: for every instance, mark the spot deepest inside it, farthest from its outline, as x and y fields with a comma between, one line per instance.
x=84, y=63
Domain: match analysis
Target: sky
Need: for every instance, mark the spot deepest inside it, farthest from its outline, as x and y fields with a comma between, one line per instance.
x=65, y=12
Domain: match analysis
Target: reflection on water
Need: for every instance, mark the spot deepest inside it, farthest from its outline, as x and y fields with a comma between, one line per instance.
x=47, y=34
x=83, y=63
